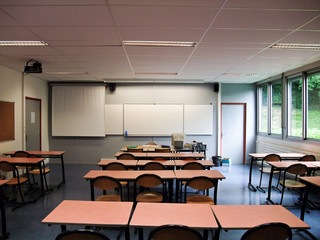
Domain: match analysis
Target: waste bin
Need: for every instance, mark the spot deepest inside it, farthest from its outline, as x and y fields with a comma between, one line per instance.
x=217, y=161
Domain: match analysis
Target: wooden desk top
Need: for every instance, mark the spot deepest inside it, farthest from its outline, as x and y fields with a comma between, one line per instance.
x=312, y=180
x=187, y=174
x=2, y=182
x=282, y=155
x=316, y=163
x=248, y=216
x=92, y=213
x=53, y=153
x=206, y=163
x=129, y=163
x=285, y=164
x=129, y=175
x=157, y=214
x=21, y=160
x=160, y=154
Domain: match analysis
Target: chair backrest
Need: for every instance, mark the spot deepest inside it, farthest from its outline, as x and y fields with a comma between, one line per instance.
x=193, y=166
x=189, y=158
x=274, y=231
x=81, y=234
x=200, y=183
x=106, y=183
x=153, y=166
x=160, y=158
x=151, y=143
x=21, y=154
x=7, y=167
x=307, y=158
x=272, y=158
x=149, y=180
x=165, y=150
x=127, y=156
x=134, y=149
x=115, y=166
x=297, y=169
x=174, y=232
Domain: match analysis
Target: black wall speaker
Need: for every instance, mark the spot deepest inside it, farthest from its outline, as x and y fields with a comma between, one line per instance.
x=112, y=87
x=216, y=87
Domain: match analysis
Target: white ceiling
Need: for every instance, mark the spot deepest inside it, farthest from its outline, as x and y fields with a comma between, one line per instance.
x=233, y=36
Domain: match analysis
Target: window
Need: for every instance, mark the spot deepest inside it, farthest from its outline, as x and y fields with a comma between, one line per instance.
x=313, y=123
x=263, y=109
x=276, y=108
x=295, y=107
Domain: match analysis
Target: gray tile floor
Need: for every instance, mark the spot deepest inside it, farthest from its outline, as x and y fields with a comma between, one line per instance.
x=25, y=222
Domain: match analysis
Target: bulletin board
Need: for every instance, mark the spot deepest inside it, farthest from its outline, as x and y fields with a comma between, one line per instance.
x=6, y=121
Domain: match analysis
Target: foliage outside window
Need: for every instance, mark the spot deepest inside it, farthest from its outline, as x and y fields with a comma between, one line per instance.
x=276, y=108
x=263, y=109
x=295, y=107
x=313, y=129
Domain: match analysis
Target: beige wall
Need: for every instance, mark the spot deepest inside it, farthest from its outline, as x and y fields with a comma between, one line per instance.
x=14, y=87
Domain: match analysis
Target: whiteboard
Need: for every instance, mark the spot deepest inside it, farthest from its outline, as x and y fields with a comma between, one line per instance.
x=198, y=119
x=113, y=119
x=152, y=119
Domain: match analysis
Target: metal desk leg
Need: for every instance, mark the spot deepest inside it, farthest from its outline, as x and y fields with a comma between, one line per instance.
x=4, y=234
x=250, y=186
x=270, y=186
x=62, y=169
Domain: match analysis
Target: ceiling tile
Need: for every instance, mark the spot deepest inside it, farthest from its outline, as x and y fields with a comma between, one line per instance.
x=182, y=3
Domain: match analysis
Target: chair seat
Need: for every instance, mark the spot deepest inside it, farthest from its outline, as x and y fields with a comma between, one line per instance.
x=14, y=181
x=149, y=197
x=37, y=171
x=292, y=183
x=199, y=199
x=109, y=197
x=267, y=170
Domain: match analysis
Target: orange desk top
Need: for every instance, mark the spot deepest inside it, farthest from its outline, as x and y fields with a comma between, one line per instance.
x=206, y=163
x=129, y=163
x=157, y=214
x=129, y=175
x=187, y=174
x=285, y=164
x=2, y=182
x=282, y=155
x=21, y=160
x=54, y=153
x=313, y=180
x=248, y=216
x=92, y=213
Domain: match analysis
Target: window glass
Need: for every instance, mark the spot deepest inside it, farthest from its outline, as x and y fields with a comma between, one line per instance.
x=263, y=115
x=276, y=108
x=313, y=130
x=295, y=107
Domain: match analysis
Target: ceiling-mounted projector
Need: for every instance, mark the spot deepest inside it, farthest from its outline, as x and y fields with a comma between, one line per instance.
x=36, y=67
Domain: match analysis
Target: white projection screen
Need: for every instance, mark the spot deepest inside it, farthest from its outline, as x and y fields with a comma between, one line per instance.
x=78, y=110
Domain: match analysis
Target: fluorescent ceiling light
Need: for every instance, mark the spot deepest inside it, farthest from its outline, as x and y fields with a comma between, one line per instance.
x=154, y=73
x=296, y=46
x=242, y=74
x=159, y=43
x=22, y=43
x=66, y=73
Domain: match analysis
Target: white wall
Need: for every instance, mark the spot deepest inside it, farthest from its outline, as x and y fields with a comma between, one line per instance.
x=14, y=88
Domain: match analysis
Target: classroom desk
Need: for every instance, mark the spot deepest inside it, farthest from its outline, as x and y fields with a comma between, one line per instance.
x=259, y=156
x=185, y=175
x=47, y=154
x=311, y=182
x=4, y=233
x=281, y=166
x=91, y=213
x=23, y=161
x=121, y=175
x=166, y=163
x=151, y=215
x=150, y=155
x=146, y=148
x=236, y=217
x=206, y=163
x=105, y=161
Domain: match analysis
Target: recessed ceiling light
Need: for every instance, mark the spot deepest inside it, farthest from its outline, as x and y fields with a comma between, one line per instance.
x=66, y=73
x=159, y=43
x=23, y=43
x=296, y=46
x=242, y=74
x=154, y=73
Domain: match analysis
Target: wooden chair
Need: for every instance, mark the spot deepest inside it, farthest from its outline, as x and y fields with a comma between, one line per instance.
x=189, y=158
x=151, y=143
x=267, y=169
x=174, y=232
x=164, y=150
x=308, y=158
x=296, y=170
x=126, y=156
x=23, y=168
x=106, y=183
x=274, y=231
x=134, y=149
x=146, y=182
x=153, y=166
x=160, y=158
x=16, y=180
x=36, y=171
x=201, y=183
x=81, y=234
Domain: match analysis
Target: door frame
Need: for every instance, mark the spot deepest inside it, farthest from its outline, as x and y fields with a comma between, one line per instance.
x=40, y=120
x=244, y=128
